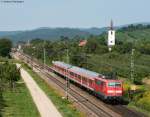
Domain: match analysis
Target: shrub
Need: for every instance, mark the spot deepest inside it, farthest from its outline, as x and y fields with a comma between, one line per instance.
x=144, y=101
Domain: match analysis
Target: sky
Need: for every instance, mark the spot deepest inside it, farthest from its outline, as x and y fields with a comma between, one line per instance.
x=32, y=14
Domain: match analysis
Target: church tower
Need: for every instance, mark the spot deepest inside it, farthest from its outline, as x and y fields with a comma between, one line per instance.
x=111, y=36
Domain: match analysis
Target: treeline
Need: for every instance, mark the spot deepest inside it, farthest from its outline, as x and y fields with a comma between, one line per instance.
x=5, y=47
x=9, y=74
x=133, y=27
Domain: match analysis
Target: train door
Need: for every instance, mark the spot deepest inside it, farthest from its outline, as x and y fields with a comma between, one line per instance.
x=103, y=87
x=100, y=88
x=91, y=83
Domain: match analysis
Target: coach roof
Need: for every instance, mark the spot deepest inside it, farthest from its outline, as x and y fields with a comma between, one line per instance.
x=62, y=64
x=84, y=72
x=77, y=70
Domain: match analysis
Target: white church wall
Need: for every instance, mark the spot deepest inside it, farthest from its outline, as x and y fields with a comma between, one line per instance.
x=111, y=38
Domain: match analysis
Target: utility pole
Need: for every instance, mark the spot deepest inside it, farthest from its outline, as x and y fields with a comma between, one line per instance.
x=132, y=65
x=67, y=79
x=44, y=55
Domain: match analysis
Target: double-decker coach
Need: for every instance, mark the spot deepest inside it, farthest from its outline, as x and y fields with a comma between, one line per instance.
x=101, y=85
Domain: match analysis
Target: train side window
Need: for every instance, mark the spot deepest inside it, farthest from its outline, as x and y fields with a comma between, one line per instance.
x=90, y=81
x=84, y=79
x=62, y=69
x=72, y=74
x=79, y=76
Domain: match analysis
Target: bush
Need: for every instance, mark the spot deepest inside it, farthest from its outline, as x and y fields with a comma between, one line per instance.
x=8, y=74
x=5, y=47
x=144, y=101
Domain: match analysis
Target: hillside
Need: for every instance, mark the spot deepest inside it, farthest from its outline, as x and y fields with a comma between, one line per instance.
x=94, y=30
x=50, y=33
x=56, y=33
x=136, y=35
x=4, y=33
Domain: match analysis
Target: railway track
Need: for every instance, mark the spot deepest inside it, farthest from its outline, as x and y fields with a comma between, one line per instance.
x=93, y=107
x=78, y=97
x=119, y=109
x=81, y=99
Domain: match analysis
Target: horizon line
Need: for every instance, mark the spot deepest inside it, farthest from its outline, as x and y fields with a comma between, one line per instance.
x=35, y=28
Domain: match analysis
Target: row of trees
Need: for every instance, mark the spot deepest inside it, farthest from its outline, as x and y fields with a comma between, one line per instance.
x=133, y=27
x=5, y=47
x=9, y=74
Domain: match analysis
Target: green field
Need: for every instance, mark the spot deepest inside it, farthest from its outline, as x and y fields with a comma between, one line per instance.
x=119, y=63
x=19, y=103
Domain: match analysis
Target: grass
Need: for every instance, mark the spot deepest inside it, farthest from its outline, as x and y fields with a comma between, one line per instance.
x=18, y=103
x=66, y=108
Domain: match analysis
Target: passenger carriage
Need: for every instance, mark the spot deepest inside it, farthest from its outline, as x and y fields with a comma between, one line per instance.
x=97, y=83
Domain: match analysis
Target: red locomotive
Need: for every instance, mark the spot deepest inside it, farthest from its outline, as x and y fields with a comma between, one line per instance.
x=107, y=89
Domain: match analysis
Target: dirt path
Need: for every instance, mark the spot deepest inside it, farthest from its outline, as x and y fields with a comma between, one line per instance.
x=43, y=103
x=147, y=80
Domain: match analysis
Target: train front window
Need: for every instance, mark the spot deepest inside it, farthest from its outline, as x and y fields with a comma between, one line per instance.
x=114, y=84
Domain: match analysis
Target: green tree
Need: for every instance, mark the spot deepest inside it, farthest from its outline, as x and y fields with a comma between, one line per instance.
x=5, y=47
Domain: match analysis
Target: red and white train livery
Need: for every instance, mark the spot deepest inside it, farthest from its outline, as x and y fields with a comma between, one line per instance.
x=105, y=88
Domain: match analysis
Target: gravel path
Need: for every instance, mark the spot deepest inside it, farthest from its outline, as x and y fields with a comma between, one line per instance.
x=45, y=106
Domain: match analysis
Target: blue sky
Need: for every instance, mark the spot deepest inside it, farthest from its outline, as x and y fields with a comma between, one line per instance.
x=71, y=13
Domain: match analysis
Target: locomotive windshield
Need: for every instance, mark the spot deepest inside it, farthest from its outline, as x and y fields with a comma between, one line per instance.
x=114, y=84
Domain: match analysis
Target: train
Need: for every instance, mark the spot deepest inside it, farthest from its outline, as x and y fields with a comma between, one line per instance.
x=101, y=85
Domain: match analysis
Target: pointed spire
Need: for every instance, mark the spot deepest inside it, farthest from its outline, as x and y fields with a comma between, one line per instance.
x=111, y=25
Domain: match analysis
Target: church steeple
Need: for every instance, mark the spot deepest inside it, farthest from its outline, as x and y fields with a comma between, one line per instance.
x=111, y=25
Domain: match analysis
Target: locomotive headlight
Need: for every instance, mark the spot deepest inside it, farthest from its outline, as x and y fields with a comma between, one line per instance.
x=119, y=91
x=113, y=91
x=110, y=91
